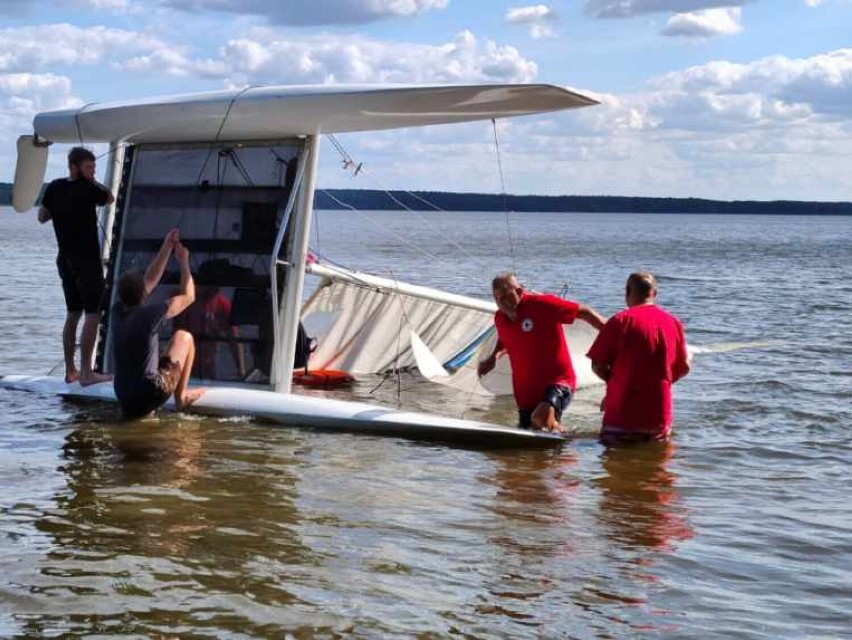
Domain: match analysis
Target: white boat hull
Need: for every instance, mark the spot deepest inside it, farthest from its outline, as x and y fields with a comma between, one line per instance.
x=316, y=413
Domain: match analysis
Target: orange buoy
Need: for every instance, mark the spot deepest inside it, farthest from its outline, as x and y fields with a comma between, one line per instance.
x=326, y=378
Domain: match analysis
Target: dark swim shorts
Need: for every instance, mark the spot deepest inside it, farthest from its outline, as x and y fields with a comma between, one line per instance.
x=158, y=390
x=557, y=396
x=82, y=283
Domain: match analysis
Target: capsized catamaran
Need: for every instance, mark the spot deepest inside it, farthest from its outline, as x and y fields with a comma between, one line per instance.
x=235, y=171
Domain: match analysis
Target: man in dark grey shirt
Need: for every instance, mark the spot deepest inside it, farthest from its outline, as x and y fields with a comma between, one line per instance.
x=143, y=379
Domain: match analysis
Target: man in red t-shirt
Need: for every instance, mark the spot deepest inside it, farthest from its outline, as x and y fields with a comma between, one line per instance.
x=208, y=320
x=640, y=353
x=529, y=329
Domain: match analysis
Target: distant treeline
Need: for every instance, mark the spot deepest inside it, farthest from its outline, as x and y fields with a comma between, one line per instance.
x=369, y=199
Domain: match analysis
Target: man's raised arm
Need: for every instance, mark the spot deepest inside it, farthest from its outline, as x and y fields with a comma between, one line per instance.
x=155, y=270
x=179, y=303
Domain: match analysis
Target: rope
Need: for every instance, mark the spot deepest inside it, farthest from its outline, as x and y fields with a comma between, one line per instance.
x=384, y=228
x=469, y=396
x=348, y=161
x=317, y=231
x=423, y=200
x=219, y=130
x=403, y=318
x=503, y=193
x=449, y=239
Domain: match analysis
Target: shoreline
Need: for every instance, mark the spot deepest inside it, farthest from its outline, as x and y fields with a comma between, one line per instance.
x=377, y=200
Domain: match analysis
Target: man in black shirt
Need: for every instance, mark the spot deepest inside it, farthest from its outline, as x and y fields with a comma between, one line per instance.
x=70, y=203
x=143, y=379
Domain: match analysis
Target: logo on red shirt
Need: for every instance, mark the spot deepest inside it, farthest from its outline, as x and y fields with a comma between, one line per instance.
x=527, y=325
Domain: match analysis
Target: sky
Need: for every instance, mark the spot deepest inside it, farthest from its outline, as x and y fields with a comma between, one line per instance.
x=724, y=99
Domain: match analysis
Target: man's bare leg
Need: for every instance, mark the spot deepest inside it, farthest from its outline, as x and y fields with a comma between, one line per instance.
x=87, y=351
x=544, y=417
x=182, y=350
x=69, y=343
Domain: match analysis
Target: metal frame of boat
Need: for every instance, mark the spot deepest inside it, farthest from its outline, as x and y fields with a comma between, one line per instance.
x=261, y=115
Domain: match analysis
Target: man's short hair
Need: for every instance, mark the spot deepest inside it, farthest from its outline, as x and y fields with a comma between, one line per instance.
x=642, y=284
x=503, y=280
x=131, y=288
x=79, y=155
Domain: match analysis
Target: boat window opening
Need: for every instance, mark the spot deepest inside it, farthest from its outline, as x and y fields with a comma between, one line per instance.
x=229, y=213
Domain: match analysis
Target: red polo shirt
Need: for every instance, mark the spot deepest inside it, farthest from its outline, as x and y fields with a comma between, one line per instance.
x=536, y=346
x=646, y=350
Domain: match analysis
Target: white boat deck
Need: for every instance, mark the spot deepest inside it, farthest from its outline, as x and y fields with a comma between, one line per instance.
x=316, y=413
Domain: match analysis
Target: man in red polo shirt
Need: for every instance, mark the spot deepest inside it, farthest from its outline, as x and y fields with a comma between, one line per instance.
x=529, y=329
x=640, y=353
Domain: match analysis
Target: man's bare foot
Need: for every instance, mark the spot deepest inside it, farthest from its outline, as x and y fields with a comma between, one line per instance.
x=189, y=396
x=72, y=376
x=93, y=377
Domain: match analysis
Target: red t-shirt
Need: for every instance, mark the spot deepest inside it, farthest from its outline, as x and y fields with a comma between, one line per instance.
x=536, y=346
x=208, y=321
x=646, y=350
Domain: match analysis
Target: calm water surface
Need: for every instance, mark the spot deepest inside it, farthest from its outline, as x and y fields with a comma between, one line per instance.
x=188, y=527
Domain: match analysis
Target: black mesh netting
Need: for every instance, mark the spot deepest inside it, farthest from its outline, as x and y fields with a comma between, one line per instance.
x=228, y=203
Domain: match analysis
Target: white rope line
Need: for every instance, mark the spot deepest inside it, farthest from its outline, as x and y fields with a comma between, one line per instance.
x=503, y=193
x=384, y=228
x=348, y=161
x=424, y=219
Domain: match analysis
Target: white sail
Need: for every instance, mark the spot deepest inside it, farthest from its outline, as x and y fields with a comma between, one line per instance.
x=369, y=322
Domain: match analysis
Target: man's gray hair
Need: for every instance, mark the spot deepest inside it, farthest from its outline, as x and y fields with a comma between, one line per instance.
x=504, y=280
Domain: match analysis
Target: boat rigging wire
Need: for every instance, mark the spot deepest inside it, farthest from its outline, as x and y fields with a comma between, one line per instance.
x=222, y=126
x=349, y=161
x=384, y=228
x=503, y=193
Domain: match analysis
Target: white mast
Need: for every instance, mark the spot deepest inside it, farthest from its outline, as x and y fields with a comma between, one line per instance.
x=113, y=181
x=291, y=304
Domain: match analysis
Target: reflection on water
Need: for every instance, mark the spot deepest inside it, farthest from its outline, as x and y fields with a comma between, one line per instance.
x=151, y=511
x=534, y=498
x=640, y=506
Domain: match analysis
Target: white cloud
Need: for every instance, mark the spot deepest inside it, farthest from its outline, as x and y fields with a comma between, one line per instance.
x=22, y=95
x=538, y=18
x=46, y=46
x=822, y=82
x=25, y=94
x=109, y=6
x=314, y=12
x=774, y=128
x=628, y=8
x=264, y=56
x=706, y=23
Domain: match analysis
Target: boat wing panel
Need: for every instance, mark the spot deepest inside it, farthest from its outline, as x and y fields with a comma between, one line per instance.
x=266, y=113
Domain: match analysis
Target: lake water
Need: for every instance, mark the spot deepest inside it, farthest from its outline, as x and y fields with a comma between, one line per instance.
x=188, y=527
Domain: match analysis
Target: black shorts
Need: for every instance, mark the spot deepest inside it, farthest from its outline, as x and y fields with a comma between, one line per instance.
x=155, y=392
x=557, y=396
x=82, y=283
